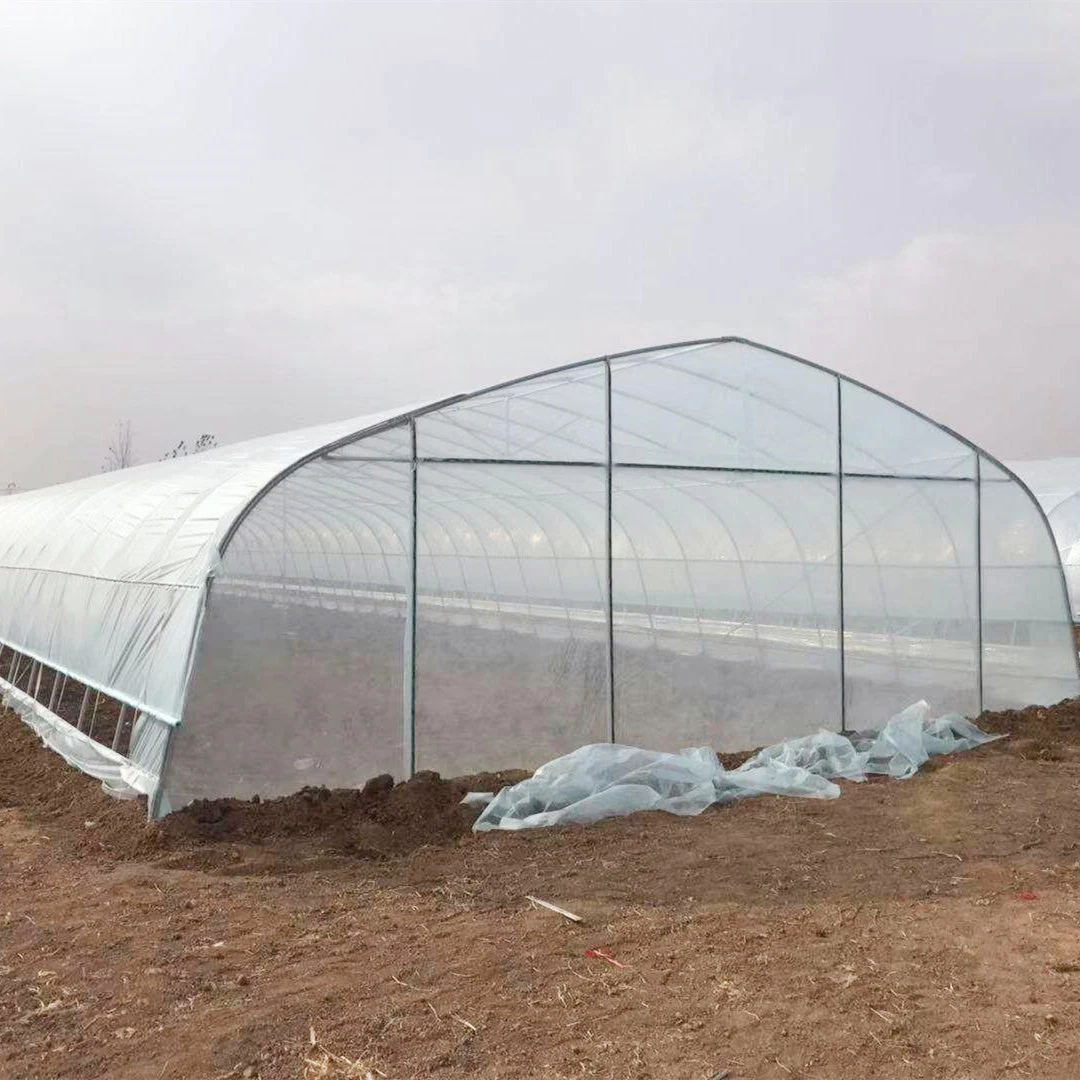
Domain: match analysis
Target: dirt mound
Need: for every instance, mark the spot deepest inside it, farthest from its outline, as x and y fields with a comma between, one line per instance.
x=1051, y=733
x=378, y=820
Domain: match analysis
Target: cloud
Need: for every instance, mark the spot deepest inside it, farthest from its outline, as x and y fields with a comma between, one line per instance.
x=981, y=329
x=242, y=217
x=944, y=181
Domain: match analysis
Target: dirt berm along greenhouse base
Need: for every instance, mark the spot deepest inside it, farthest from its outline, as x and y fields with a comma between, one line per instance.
x=711, y=543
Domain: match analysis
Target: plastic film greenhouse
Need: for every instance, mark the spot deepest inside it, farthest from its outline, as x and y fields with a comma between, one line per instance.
x=705, y=544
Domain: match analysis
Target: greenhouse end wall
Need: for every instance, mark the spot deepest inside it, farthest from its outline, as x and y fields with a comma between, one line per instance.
x=706, y=544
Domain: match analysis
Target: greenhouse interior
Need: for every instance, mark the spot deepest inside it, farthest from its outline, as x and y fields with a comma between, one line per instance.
x=713, y=543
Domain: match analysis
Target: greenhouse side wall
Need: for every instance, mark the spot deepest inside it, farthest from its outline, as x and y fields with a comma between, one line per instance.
x=712, y=544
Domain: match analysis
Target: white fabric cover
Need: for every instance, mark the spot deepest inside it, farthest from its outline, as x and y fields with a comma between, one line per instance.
x=607, y=780
x=104, y=578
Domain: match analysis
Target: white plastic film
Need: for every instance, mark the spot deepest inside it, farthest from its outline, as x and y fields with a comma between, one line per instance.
x=910, y=595
x=1029, y=653
x=726, y=599
x=723, y=405
x=103, y=578
x=511, y=614
x=559, y=417
x=883, y=438
x=1056, y=484
x=610, y=780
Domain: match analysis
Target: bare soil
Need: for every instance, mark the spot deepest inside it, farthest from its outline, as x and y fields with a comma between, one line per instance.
x=923, y=928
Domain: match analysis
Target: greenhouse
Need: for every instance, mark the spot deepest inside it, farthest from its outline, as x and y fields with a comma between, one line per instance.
x=712, y=543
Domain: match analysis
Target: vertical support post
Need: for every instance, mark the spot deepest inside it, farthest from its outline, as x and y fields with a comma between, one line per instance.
x=35, y=679
x=14, y=669
x=284, y=489
x=978, y=573
x=137, y=726
x=840, y=548
x=608, y=526
x=93, y=715
x=82, y=709
x=120, y=720
x=409, y=710
x=55, y=692
x=153, y=809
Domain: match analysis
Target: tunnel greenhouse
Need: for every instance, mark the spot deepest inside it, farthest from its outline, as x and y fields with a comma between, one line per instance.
x=712, y=543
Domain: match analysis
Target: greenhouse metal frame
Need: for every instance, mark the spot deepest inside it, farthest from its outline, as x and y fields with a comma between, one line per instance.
x=709, y=542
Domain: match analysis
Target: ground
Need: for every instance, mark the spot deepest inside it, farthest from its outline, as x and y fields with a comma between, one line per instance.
x=919, y=928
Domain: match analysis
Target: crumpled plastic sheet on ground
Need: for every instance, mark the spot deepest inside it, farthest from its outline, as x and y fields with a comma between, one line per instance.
x=608, y=780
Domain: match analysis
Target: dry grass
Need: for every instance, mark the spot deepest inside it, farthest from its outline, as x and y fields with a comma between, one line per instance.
x=323, y=1064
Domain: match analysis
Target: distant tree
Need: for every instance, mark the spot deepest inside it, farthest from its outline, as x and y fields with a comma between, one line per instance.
x=11, y=489
x=120, y=454
x=181, y=449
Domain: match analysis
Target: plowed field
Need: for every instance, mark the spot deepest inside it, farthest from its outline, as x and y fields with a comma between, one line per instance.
x=920, y=928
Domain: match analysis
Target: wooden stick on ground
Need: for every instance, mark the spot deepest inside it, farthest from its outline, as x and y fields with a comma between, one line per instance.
x=558, y=910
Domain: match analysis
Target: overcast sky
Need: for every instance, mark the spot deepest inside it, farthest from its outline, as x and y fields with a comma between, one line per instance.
x=244, y=218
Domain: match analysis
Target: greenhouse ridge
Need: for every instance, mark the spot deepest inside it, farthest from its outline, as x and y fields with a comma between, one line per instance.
x=711, y=543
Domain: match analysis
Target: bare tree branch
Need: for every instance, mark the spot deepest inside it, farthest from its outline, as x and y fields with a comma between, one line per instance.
x=181, y=449
x=120, y=454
